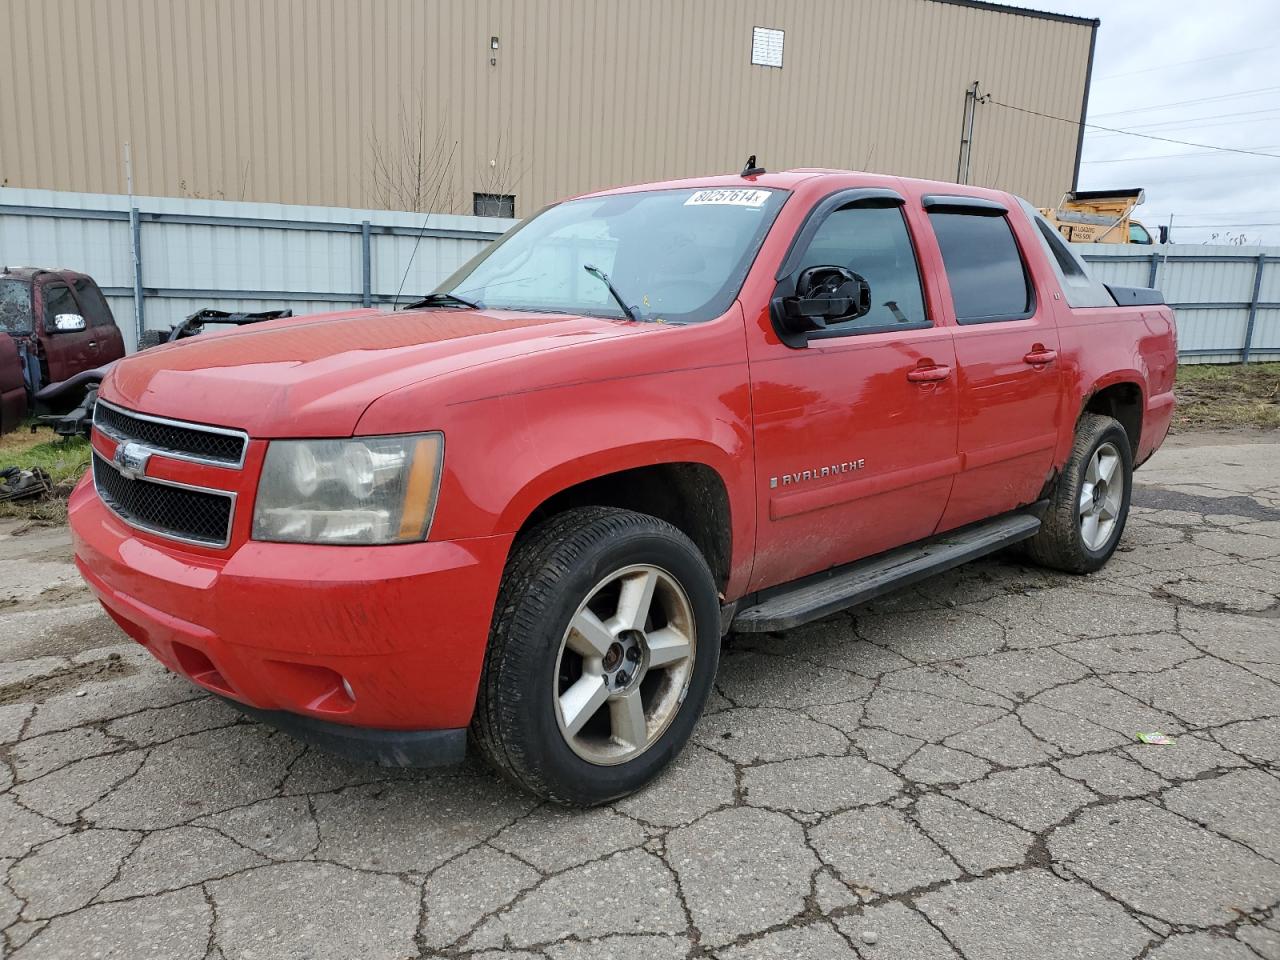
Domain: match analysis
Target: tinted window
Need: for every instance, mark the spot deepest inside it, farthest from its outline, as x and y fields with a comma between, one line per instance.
x=15, y=306
x=96, y=311
x=872, y=242
x=1138, y=233
x=985, y=270
x=57, y=299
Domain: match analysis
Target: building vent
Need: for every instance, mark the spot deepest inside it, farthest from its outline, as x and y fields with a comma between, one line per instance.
x=766, y=47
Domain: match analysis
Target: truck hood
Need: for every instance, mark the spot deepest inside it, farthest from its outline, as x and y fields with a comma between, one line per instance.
x=314, y=376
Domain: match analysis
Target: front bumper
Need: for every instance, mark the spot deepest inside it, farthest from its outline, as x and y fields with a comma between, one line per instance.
x=388, y=638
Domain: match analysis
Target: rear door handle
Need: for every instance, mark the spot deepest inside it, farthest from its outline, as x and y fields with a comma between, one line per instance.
x=928, y=374
x=1041, y=357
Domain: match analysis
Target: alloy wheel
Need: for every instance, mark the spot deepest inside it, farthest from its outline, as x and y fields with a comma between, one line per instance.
x=624, y=665
x=1101, y=496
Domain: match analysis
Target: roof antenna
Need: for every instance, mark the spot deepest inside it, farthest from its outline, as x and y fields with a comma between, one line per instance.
x=751, y=170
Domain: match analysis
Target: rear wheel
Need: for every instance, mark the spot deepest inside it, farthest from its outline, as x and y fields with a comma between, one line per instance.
x=1090, y=502
x=603, y=649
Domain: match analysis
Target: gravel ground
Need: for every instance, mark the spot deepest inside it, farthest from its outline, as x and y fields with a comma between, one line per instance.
x=949, y=772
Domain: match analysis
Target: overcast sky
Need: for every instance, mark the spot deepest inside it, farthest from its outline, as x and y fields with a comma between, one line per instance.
x=1153, y=58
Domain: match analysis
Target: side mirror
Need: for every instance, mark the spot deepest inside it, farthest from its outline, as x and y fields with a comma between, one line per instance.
x=68, y=323
x=824, y=294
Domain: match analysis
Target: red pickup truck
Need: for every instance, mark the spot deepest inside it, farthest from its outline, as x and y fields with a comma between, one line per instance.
x=58, y=324
x=530, y=505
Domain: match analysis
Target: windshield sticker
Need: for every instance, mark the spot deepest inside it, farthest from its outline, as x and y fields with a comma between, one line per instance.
x=737, y=198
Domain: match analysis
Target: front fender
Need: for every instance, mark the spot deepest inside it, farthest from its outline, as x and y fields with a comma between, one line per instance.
x=519, y=432
x=555, y=439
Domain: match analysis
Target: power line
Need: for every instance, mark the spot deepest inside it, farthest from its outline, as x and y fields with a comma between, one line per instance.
x=1179, y=63
x=1178, y=125
x=1228, y=213
x=1173, y=156
x=1217, y=226
x=1183, y=103
x=1144, y=136
x=1214, y=117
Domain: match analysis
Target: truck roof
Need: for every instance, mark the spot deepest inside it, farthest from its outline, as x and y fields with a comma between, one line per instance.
x=31, y=273
x=790, y=179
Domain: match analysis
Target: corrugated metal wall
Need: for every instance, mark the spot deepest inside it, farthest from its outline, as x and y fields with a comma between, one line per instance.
x=1226, y=299
x=235, y=256
x=284, y=100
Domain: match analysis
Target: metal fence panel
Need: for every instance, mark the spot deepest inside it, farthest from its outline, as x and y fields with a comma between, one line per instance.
x=231, y=255
x=1266, y=332
x=1226, y=299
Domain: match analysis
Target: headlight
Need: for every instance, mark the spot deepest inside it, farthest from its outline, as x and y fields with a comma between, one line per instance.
x=365, y=490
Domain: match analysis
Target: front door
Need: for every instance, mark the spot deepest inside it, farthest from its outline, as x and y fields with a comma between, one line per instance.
x=66, y=352
x=1009, y=376
x=855, y=431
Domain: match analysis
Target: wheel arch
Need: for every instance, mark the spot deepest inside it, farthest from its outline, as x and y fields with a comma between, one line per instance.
x=1120, y=397
x=690, y=494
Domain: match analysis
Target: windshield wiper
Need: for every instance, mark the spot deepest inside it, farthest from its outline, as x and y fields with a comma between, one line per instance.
x=441, y=300
x=604, y=278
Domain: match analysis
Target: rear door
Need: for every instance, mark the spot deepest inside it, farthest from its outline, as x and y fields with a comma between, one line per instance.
x=66, y=352
x=854, y=429
x=107, y=343
x=1006, y=343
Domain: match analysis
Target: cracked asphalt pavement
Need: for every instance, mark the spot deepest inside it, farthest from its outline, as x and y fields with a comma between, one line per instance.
x=948, y=772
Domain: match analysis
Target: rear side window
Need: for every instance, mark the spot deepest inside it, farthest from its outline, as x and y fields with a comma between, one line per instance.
x=57, y=299
x=988, y=279
x=15, y=306
x=96, y=311
x=872, y=242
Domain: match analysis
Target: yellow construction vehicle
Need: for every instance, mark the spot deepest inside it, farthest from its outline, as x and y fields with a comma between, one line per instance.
x=1099, y=216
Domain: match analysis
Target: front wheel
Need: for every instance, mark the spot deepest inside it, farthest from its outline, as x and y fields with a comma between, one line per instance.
x=602, y=654
x=1090, y=502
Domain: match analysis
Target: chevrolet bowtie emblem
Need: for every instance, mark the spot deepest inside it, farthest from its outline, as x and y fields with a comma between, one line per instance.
x=131, y=459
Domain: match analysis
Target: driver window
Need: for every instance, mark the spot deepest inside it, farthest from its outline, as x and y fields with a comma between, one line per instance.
x=57, y=299
x=873, y=242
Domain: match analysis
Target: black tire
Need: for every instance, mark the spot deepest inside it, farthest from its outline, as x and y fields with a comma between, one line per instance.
x=551, y=572
x=152, y=338
x=1060, y=544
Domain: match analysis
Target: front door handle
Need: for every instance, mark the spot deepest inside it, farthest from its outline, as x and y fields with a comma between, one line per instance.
x=928, y=374
x=1039, y=357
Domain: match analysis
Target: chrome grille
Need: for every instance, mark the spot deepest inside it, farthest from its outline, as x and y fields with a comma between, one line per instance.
x=216, y=446
x=191, y=514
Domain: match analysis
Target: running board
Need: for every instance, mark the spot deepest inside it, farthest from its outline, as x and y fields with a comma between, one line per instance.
x=790, y=605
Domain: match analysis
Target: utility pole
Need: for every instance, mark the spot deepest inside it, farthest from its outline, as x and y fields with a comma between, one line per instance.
x=135, y=244
x=966, y=132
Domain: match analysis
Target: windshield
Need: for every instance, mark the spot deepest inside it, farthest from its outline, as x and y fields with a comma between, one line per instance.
x=15, y=306
x=678, y=256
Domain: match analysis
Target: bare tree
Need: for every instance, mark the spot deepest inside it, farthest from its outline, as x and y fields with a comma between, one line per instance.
x=1232, y=239
x=412, y=169
x=503, y=172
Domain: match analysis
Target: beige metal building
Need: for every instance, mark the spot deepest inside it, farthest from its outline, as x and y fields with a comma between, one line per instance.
x=450, y=104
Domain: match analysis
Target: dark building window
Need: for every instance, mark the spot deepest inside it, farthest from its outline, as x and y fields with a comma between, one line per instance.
x=493, y=204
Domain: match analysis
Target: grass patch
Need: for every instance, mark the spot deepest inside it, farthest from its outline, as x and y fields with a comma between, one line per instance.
x=1227, y=396
x=65, y=460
